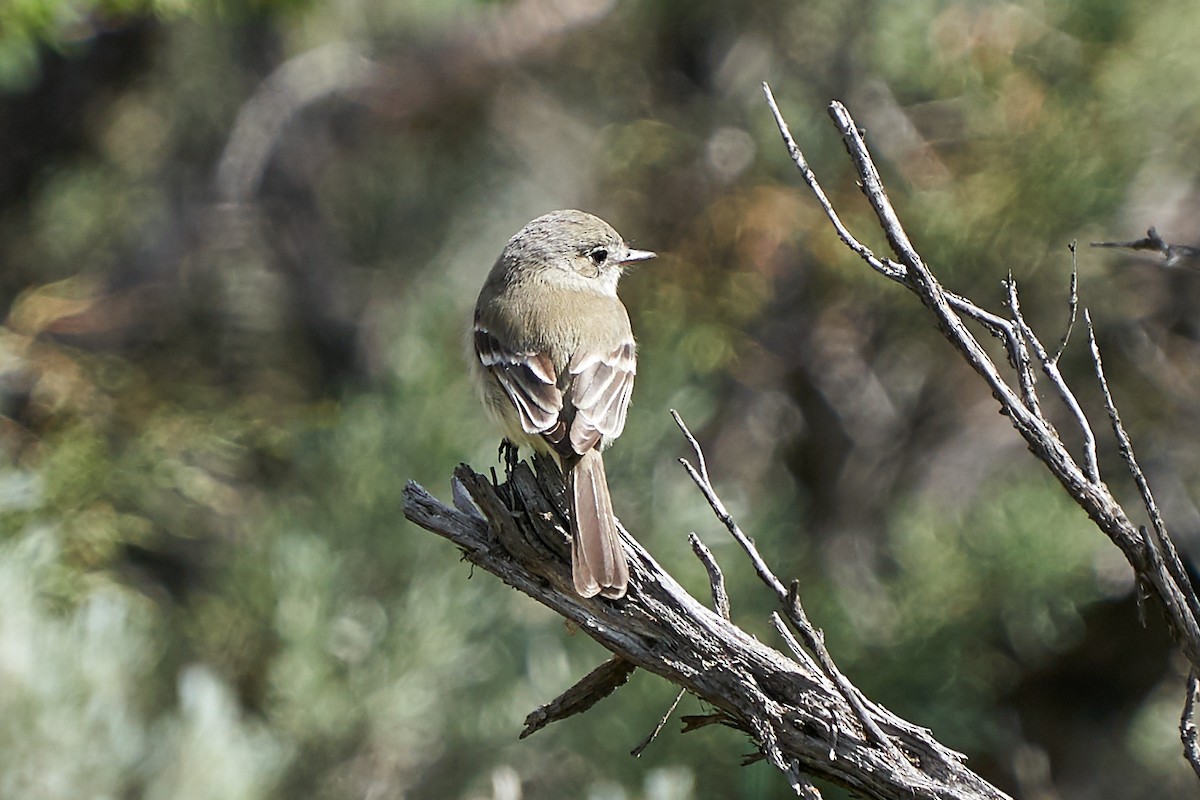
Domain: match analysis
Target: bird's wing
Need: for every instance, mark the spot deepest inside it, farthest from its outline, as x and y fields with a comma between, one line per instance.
x=528, y=379
x=601, y=385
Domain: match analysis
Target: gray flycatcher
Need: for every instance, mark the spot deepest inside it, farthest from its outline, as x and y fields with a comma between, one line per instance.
x=554, y=360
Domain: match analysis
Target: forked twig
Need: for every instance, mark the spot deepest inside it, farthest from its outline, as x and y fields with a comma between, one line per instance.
x=700, y=477
x=1151, y=553
x=793, y=611
x=803, y=715
x=1091, y=464
x=800, y=720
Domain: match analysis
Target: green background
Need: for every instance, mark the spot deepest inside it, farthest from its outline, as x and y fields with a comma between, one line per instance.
x=215, y=380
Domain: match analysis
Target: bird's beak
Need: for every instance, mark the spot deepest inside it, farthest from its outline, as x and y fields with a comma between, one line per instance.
x=634, y=256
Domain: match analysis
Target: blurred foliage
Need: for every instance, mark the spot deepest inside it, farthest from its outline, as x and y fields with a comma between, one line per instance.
x=240, y=244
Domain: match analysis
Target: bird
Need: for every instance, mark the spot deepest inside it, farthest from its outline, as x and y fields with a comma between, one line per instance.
x=553, y=358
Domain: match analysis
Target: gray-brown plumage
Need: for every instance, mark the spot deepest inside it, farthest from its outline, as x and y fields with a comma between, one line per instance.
x=554, y=357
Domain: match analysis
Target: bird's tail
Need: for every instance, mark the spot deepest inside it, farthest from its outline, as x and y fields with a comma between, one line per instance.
x=598, y=564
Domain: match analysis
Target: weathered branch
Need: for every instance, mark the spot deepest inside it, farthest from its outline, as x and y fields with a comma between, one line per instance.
x=803, y=714
x=799, y=719
x=1152, y=558
x=1151, y=553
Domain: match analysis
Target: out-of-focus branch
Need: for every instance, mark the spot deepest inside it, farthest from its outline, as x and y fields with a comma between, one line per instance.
x=1187, y=724
x=1150, y=552
x=1173, y=255
x=801, y=719
x=397, y=87
x=295, y=85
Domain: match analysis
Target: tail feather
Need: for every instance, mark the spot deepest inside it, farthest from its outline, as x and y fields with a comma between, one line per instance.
x=598, y=564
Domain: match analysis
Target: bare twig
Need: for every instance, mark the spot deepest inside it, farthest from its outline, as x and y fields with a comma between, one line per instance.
x=793, y=611
x=1072, y=303
x=790, y=640
x=1173, y=254
x=650, y=737
x=1020, y=358
x=1187, y=723
x=1000, y=328
x=887, y=268
x=701, y=480
x=1123, y=441
x=715, y=579
x=1091, y=464
x=814, y=639
x=1173, y=586
x=720, y=603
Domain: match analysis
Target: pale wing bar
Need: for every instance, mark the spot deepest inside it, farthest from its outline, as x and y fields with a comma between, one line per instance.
x=601, y=385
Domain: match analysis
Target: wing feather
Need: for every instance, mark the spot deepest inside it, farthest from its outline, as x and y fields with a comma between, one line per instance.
x=529, y=380
x=601, y=387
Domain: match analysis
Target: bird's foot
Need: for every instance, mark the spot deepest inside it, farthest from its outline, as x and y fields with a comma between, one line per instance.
x=508, y=453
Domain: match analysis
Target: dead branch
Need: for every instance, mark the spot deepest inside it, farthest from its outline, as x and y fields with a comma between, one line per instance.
x=813, y=639
x=594, y=687
x=650, y=737
x=800, y=719
x=803, y=715
x=1151, y=552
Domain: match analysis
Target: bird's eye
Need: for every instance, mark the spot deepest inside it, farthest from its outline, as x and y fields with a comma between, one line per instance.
x=598, y=255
